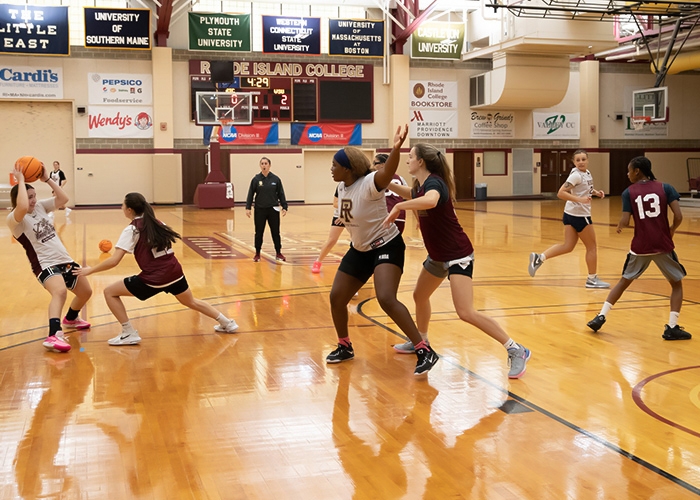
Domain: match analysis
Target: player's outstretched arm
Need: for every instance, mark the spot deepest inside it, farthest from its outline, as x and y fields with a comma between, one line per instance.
x=102, y=266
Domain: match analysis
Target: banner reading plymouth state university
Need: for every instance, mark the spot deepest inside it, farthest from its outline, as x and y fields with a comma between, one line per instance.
x=107, y=28
x=356, y=37
x=229, y=32
x=36, y=30
x=555, y=126
x=258, y=133
x=438, y=40
x=291, y=35
x=326, y=134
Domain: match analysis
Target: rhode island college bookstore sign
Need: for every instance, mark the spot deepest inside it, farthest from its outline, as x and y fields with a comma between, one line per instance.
x=434, y=113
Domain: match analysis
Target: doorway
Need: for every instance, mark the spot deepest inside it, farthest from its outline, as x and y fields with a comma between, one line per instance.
x=195, y=170
x=464, y=174
x=619, y=159
x=556, y=166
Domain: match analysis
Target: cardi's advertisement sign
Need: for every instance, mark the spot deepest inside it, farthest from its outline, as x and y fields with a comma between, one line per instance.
x=37, y=82
x=327, y=134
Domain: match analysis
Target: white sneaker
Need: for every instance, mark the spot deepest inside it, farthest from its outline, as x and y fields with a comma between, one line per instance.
x=125, y=339
x=230, y=328
x=68, y=211
x=596, y=283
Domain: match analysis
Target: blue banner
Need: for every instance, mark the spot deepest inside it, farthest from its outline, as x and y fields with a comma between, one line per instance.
x=117, y=28
x=353, y=37
x=291, y=35
x=30, y=29
x=327, y=134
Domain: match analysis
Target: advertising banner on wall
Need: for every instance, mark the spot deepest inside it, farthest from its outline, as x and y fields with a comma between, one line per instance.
x=258, y=133
x=658, y=129
x=327, y=134
x=120, y=88
x=107, y=28
x=433, y=106
x=229, y=32
x=438, y=40
x=356, y=37
x=37, y=82
x=291, y=35
x=31, y=29
x=490, y=124
x=120, y=121
x=555, y=126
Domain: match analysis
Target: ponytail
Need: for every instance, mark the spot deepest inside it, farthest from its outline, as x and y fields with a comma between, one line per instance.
x=158, y=235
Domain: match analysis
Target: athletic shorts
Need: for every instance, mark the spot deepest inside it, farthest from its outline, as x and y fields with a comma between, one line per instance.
x=337, y=222
x=578, y=223
x=361, y=265
x=668, y=264
x=142, y=291
x=463, y=267
x=66, y=270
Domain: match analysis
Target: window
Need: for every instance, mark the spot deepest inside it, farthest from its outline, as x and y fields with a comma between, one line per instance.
x=495, y=163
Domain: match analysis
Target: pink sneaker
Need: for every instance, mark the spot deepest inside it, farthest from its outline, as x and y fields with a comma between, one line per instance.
x=56, y=343
x=316, y=268
x=77, y=323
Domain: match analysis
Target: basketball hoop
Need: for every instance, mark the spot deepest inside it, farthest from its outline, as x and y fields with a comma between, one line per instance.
x=639, y=121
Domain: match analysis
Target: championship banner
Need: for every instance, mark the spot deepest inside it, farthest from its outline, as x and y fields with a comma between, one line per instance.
x=107, y=28
x=31, y=29
x=258, y=133
x=325, y=134
x=291, y=35
x=120, y=121
x=353, y=37
x=122, y=88
x=438, y=40
x=556, y=126
x=37, y=82
x=229, y=32
x=489, y=124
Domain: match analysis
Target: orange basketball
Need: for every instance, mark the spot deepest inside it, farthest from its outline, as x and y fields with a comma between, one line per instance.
x=105, y=246
x=30, y=167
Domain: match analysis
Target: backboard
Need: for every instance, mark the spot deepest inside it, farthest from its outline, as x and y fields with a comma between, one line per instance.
x=652, y=103
x=232, y=108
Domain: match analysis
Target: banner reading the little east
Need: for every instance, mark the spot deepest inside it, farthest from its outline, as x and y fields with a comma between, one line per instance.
x=356, y=37
x=438, y=40
x=291, y=35
x=36, y=30
x=492, y=124
x=555, y=126
x=229, y=32
x=107, y=28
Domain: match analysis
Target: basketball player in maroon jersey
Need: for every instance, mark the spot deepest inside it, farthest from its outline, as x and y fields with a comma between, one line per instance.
x=647, y=201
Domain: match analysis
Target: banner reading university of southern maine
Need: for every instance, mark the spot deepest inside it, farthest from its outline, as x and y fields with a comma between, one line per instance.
x=31, y=29
x=107, y=28
x=326, y=134
x=229, y=32
x=291, y=35
x=356, y=37
x=258, y=133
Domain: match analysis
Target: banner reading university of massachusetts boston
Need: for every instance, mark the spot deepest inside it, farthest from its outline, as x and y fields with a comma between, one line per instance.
x=356, y=37
x=438, y=40
x=107, y=28
x=327, y=134
x=120, y=121
x=555, y=125
x=30, y=29
x=291, y=35
x=258, y=133
x=36, y=82
x=229, y=32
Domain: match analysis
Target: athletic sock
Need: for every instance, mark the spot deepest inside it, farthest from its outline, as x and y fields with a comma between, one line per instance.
x=223, y=320
x=673, y=319
x=345, y=341
x=543, y=257
x=511, y=344
x=422, y=345
x=605, y=309
x=71, y=314
x=592, y=276
x=127, y=328
x=54, y=326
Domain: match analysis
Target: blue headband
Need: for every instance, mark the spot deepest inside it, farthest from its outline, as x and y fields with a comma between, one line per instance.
x=342, y=159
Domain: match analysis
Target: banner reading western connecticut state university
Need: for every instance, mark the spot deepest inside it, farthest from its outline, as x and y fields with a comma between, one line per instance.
x=438, y=40
x=258, y=133
x=31, y=29
x=326, y=134
x=356, y=37
x=107, y=28
x=229, y=32
x=291, y=35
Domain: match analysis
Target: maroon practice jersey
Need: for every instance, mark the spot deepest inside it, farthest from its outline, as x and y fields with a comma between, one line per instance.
x=648, y=203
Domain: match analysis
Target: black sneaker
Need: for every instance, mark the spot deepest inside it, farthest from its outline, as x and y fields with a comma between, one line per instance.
x=341, y=354
x=676, y=333
x=426, y=360
x=596, y=323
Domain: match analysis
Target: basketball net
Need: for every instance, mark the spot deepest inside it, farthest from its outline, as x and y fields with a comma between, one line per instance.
x=639, y=121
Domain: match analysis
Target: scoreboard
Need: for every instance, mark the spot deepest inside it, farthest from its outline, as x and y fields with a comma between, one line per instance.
x=272, y=97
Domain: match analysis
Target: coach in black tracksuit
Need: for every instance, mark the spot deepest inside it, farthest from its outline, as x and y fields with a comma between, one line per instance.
x=266, y=188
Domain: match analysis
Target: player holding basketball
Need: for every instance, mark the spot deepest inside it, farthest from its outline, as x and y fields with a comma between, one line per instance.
x=577, y=191
x=30, y=225
x=647, y=201
x=151, y=242
x=450, y=252
x=375, y=249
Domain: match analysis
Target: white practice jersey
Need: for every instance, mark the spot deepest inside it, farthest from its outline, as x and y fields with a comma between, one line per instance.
x=583, y=185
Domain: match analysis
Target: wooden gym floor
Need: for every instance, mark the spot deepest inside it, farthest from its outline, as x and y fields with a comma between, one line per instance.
x=259, y=414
